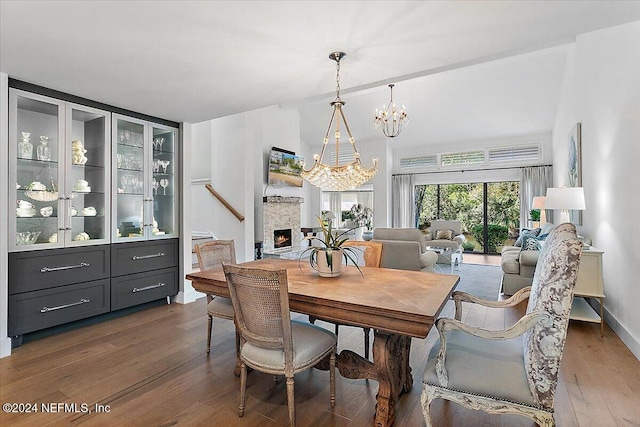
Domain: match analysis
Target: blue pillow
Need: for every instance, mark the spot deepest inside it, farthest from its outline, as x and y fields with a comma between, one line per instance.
x=530, y=243
x=527, y=232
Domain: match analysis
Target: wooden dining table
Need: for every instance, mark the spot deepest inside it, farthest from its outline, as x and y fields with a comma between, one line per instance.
x=396, y=304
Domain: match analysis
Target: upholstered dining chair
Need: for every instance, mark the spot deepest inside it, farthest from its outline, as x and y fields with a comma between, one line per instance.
x=211, y=255
x=372, y=258
x=269, y=341
x=512, y=371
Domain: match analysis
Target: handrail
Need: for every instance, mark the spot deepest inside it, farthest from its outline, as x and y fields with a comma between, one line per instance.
x=224, y=202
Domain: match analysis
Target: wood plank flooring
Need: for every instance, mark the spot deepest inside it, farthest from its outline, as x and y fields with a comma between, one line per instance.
x=150, y=368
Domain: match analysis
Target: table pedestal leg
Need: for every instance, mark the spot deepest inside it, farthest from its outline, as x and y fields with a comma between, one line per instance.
x=390, y=368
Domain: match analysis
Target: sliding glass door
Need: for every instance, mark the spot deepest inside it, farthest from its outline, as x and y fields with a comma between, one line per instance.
x=489, y=212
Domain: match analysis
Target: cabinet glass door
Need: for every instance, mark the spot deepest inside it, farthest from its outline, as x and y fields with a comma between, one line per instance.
x=87, y=183
x=35, y=148
x=164, y=182
x=129, y=180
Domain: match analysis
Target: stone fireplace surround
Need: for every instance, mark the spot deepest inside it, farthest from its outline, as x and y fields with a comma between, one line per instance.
x=280, y=213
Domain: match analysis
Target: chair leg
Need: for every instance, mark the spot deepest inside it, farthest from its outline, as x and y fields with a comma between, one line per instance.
x=332, y=378
x=367, y=332
x=209, y=329
x=291, y=402
x=243, y=388
x=312, y=319
x=337, y=326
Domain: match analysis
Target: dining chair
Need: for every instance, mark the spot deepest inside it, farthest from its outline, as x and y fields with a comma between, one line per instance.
x=269, y=341
x=512, y=371
x=212, y=255
x=372, y=257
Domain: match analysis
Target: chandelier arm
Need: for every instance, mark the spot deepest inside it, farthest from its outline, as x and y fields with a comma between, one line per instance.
x=346, y=125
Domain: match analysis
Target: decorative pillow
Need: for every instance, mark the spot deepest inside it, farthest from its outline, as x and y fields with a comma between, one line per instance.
x=530, y=243
x=444, y=234
x=525, y=231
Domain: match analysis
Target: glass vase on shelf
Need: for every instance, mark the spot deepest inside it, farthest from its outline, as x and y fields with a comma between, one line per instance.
x=44, y=151
x=25, y=148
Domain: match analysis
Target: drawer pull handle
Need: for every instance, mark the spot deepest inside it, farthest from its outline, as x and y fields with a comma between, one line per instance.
x=60, y=307
x=147, y=288
x=66, y=267
x=158, y=255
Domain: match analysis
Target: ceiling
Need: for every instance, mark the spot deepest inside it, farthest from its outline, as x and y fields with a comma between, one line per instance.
x=467, y=70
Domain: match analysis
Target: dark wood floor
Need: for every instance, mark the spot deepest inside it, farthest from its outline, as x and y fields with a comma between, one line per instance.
x=151, y=369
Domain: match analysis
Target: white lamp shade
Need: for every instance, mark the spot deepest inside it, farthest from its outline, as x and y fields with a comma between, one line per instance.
x=538, y=202
x=569, y=198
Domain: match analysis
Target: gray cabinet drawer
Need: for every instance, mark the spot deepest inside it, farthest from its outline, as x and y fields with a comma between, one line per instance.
x=136, y=257
x=38, y=270
x=36, y=310
x=143, y=287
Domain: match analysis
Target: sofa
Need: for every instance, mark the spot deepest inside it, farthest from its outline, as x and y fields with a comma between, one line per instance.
x=434, y=238
x=404, y=249
x=518, y=265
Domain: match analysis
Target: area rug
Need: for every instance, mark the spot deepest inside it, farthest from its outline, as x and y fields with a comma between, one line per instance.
x=476, y=279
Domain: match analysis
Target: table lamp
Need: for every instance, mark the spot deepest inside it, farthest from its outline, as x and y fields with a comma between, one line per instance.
x=565, y=199
x=539, y=203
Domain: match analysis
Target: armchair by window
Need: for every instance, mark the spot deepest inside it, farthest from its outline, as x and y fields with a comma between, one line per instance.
x=514, y=370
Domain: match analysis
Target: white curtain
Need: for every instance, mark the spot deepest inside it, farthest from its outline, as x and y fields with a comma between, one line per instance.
x=402, y=197
x=534, y=182
x=336, y=208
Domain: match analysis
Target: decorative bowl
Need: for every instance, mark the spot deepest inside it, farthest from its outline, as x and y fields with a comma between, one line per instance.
x=27, y=237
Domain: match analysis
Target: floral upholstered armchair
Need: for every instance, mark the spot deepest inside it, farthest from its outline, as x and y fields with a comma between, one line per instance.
x=514, y=370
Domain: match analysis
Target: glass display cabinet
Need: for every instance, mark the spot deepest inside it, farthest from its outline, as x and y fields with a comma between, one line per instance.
x=144, y=179
x=59, y=164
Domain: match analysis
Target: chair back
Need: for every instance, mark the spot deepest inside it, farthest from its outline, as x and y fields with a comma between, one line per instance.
x=213, y=254
x=404, y=234
x=441, y=224
x=552, y=291
x=372, y=251
x=260, y=300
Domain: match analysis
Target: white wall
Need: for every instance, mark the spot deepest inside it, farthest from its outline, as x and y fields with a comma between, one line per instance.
x=601, y=89
x=238, y=148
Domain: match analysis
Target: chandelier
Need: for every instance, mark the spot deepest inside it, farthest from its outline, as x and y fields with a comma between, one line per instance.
x=392, y=121
x=338, y=177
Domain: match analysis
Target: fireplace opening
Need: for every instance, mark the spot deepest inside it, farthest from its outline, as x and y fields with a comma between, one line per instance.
x=282, y=238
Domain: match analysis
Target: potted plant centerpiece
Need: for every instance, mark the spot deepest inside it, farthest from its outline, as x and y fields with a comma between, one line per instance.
x=327, y=258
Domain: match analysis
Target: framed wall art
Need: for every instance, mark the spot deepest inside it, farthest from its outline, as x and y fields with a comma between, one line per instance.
x=575, y=166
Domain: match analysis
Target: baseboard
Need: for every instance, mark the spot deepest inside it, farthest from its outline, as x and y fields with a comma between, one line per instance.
x=624, y=335
x=5, y=347
x=188, y=294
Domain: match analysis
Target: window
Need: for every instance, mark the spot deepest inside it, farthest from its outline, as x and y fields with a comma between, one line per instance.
x=468, y=158
x=489, y=212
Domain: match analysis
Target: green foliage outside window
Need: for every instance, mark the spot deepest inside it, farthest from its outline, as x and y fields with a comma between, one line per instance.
x=497, y=234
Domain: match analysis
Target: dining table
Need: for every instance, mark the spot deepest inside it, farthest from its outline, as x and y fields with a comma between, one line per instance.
x=396, y=304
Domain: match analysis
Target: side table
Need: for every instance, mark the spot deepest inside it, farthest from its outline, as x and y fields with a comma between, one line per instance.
x=589, y=284
x=454, y=256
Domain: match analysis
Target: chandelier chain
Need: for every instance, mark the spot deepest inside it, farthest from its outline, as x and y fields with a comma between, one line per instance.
x=338, y=78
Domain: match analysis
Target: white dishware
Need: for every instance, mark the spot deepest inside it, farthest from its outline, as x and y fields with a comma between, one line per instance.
x=37, y=186
x=53, y=238
x=89, y=211
x=74, y=211
x=46, y=211
x=81, y=237
x=23, y=204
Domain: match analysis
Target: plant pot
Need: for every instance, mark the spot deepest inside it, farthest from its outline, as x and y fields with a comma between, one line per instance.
x=367, y=235
x=328, y=262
